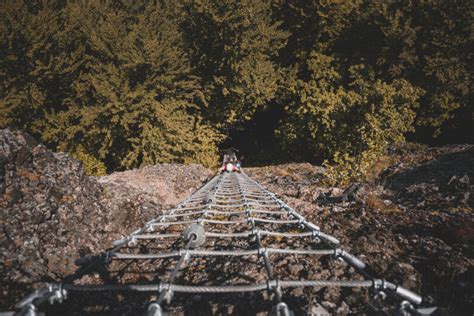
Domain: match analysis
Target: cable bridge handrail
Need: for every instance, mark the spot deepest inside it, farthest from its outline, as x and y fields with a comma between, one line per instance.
x=202, y=217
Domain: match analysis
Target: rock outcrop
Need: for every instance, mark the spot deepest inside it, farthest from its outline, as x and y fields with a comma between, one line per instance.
x=52, y=212
x=413, y=224
x=135, y=196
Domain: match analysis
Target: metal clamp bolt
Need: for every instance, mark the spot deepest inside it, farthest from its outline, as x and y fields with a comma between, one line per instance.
x=166, y=289
x=132, y=241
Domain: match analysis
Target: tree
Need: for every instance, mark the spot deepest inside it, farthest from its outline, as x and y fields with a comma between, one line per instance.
x=232, y=45
x=428, y=43
x=137, y=82
x=313, y=26
x=114, y=79
x=351, y=125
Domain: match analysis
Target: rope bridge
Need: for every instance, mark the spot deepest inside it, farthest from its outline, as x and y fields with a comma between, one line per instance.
x=231, y=216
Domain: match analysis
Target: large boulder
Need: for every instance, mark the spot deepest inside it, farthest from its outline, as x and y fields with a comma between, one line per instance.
x=52, y=212
x=139, y=195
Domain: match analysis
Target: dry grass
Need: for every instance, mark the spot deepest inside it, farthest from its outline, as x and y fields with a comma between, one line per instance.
x=283, y=172
x=384, y=206
x=461, y=209
x=380, y=165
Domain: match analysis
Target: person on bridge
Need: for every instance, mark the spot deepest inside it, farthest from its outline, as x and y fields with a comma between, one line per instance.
x=230, y=163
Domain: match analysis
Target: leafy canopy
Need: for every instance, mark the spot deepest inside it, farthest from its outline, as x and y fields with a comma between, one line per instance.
x=126, y=83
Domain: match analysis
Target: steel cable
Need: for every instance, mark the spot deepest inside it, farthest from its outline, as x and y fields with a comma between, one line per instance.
x=235, y=195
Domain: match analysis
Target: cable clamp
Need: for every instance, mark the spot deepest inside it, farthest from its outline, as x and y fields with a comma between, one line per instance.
x=168, y=293
x=379, y=287
x=291, y=214
x=302, y=223
x=164, y=287
x=272, y=285
x=184, y=253
x=315, y=233
x=255, y=232
x=379, y=284
x=58, y=293
x=149, y=226
x=149, y=223
x=339, y=254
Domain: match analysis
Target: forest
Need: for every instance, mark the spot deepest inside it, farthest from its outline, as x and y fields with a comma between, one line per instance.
x=121, y=84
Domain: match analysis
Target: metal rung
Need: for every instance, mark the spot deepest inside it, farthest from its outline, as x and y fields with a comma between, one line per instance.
x=245, y=203
x=215, y=289
x=193, y=252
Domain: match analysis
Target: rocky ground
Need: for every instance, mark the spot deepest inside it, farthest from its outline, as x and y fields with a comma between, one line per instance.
x=53, y=213
x=139, y=195
x=412, y=224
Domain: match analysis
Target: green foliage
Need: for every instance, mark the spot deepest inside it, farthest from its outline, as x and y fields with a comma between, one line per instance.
x=115, y=79
x=92, y=165
x=313, y=25
x=232, y=44
x=350, y=124
x=428, y=43
x=140, y=82
x=29, y=85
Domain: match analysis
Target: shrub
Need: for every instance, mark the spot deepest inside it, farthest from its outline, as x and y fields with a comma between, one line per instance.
x=92, y=165
x=350, y=126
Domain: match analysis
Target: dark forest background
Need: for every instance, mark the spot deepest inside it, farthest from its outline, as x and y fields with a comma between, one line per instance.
x=124, y=83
